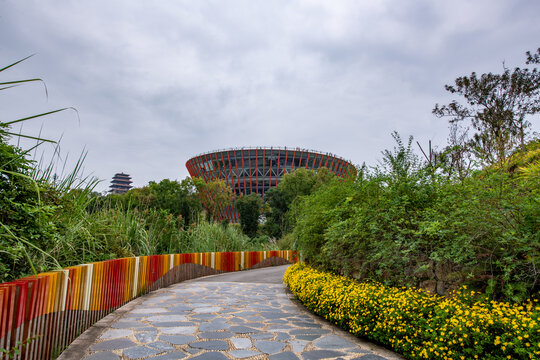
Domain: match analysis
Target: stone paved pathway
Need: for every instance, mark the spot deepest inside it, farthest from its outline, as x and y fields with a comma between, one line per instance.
x=206, y=320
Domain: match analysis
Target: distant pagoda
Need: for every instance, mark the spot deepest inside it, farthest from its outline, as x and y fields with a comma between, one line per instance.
x=120, y=183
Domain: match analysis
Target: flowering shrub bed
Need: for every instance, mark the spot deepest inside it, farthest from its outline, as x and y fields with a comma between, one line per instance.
x=417, y=324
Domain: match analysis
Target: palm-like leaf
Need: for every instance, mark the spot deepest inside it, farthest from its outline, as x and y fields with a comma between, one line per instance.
x=10, y=84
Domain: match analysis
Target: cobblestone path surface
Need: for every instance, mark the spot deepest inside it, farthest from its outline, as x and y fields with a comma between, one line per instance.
x=212, y=320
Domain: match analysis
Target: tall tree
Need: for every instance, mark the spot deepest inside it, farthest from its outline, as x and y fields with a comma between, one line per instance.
x=498, y=107
x=249, y=210
x=179, y=198
x=216, y=196
x=299, y=183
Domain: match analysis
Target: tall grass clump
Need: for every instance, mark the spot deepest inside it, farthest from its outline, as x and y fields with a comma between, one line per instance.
x=212, y=236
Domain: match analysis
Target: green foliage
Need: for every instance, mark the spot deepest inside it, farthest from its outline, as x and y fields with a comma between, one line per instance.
x=498, y=107
x=407, y=224
x=249, y=210
x=16, y=350
x=177, y=198
x=212, y=236
x=180, y=199
x=216, y=196
x=277, y=207
x=265, y=242
x=399, y=164
x=281, y=198
x=25, y=222
x=298, y=183
x=115, y=233
x=286, y=242
x=316, y=213
x=525, y=163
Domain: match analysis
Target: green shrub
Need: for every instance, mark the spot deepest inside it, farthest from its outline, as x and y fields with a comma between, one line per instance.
x=249, y=211
x=411, y=225
x=26, y=229
x=286, y=242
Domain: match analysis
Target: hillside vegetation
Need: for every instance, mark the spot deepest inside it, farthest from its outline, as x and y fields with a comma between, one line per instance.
x=408, y=223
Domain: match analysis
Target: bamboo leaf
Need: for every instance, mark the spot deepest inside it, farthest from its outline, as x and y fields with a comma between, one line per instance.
x=17, y=62
x=39, y=115
x=29, y=137
x=21, y=81
x=8, y=87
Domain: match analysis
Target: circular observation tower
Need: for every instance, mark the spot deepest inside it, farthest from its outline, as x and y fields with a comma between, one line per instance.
x=256, y=169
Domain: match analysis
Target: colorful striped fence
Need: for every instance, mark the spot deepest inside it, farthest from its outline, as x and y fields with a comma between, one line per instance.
x=41, y=315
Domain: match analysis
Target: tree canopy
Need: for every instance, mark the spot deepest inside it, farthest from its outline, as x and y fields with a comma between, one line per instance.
x=249, y=210
x=498, y=106
x=215, y=195
x=300, y=182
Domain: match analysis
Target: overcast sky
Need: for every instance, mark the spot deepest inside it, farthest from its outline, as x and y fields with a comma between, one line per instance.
x=157, y=82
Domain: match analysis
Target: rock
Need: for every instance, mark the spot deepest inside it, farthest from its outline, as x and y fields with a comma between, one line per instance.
x=429, y=285
x=441, y=287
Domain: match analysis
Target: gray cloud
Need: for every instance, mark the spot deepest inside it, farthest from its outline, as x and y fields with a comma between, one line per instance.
x=158, y=82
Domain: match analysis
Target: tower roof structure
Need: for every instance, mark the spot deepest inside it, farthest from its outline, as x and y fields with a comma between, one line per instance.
x=121, y=183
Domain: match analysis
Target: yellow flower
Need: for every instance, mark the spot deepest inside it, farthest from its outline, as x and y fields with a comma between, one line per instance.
x=407, y=317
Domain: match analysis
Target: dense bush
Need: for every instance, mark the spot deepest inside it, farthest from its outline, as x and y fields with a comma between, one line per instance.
x=279, y=218
x=249, y=211
x=25, y=218
x=420, y=325
x=405, y=223
x=468, y=215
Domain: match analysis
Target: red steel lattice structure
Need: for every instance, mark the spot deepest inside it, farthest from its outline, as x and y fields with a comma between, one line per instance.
x=256, y=169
